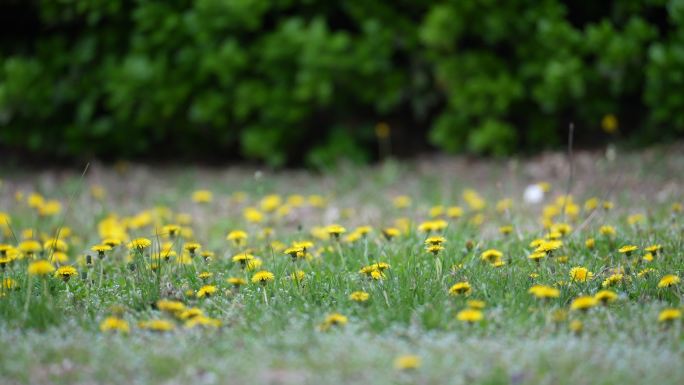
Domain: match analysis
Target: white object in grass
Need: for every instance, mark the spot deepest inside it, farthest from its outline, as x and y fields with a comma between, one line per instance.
x=533, y=194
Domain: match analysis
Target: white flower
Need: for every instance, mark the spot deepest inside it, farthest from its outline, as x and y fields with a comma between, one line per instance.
x=533, y=194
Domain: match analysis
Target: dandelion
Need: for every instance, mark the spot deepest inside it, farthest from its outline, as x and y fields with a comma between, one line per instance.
x=8, y=284
x=646, y=272
x=242, y=258
x=612, y=280
x=254, y=264
x=653, y=249
x=583, y=303
x=436, y=211
x=59, y=257
x=236, y=281
x=207, y=255
x=29, y=247
x=401, y=202
x=170, y=306
x=205, y=275
x=434, y=249
x=544, y=292
x=407, y=362
x=475, y=304
x=333, y=319
x=202, y=196
x=590, y=243
x=470, y=315
x=506, y=230
x=238, y=237
x=202, y=321
x=359, y=296
x=668, y=280
x=157, y=325
x=114, y=324
x=191, y=313
x=391, y=232
x=56, y=245
x=206, y=291
x=454, y=212
x=41, y=268
x=460, y=288
x=101, y=249
x=580, y=274
x=263, y=277
x=139, y=244
x=66, y=272
x=294, y=252
x=298, y=275
x=669, y=315
x=171, y=230
x=335, y=230
x=608, y=231
x=192, y=247
x=491, y=255
x=549, y=246
x=627, y=250
x=576, y=326
x=435, y=240
x=606, y=296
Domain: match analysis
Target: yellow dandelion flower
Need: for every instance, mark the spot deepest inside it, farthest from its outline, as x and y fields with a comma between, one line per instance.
x=407, y=362
x=40, y=267
x=401, y=202
x=435, y=240
x=170, y=306
x=263, y=277
x=583, y=303
x=580, y=274
x=669, y=315
x=628, y=249
x=668, y=280
x=590, y=243
x=66, y=272
x=237, y=236
x=206, y=291
x=359, y=296
x=114, y=324
x=202, y=321
x=470, y=315
x=608, y=231
x=157, y=325
x=460, y=288
x=139, y=244
x=236, y=281
x=606, y=296
x=202, y=196
x=543, y=292
x=454, y=212
x=612, y=280
x=391, y=232
x=335, y=230
x=491, y=255
x=333, y=319
x=475, y=304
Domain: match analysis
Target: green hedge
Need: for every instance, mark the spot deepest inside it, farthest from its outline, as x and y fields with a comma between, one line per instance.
x=291, y=81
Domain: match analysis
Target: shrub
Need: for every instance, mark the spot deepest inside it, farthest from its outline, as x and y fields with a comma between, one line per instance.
x=290, y=82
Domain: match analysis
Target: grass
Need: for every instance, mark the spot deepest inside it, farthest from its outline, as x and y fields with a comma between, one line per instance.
x=272, y=333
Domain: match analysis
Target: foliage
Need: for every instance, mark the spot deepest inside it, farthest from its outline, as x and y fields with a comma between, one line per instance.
x=281, y=81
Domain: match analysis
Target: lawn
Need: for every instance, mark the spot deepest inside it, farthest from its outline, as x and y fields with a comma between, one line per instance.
x=433, y=271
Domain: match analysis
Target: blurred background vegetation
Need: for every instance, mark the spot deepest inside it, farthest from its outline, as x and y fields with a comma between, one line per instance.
x=304, y=82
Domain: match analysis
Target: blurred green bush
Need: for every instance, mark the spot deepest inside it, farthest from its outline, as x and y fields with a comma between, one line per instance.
x=287, y=81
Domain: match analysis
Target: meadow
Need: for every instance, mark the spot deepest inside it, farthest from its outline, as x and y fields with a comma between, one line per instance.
x=433, y=271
